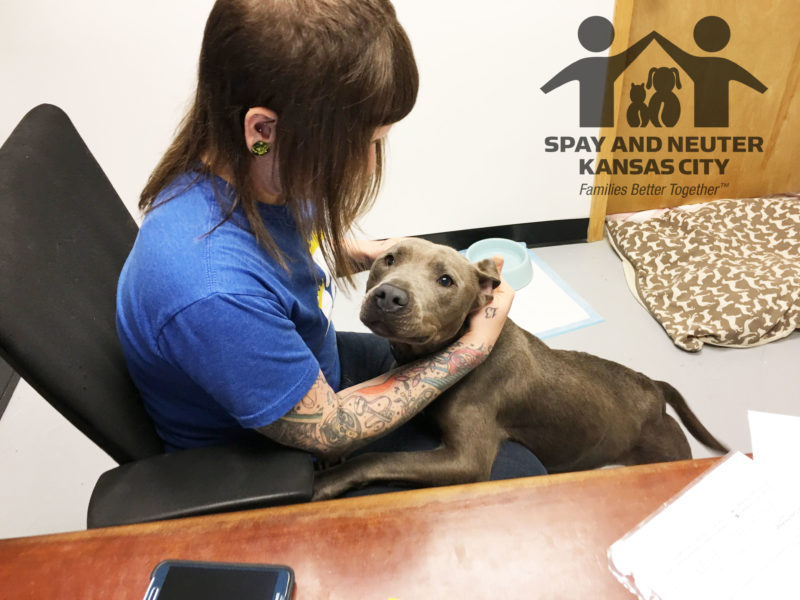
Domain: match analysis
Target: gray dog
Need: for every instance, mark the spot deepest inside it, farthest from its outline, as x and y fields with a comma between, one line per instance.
x=574, y=411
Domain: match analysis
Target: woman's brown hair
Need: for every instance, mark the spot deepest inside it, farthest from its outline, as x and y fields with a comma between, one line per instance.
x=333, y=71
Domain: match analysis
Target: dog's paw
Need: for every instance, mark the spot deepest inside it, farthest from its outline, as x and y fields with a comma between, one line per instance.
x=327, y=486
x=321, y=494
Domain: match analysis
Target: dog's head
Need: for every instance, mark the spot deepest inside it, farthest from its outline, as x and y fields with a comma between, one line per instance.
x=664, y=79
x=420, y=294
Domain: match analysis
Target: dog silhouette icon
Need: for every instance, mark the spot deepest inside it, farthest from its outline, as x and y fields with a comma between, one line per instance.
x=664, y=107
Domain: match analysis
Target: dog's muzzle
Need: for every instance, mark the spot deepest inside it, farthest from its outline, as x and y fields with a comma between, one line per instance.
x=389, y=299
x=386, y=311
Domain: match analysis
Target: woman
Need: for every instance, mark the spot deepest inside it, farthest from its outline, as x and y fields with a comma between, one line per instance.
x=220, y=305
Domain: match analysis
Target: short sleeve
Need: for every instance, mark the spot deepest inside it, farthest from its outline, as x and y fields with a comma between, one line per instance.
x=245, y=352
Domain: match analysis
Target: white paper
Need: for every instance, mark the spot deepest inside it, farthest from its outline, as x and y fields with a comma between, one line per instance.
x=775, y=440
x=733, y=533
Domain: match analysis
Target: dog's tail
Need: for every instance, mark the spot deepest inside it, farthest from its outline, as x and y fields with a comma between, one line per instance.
x=689, y=419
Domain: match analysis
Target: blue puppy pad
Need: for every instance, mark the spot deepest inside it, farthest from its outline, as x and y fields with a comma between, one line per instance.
x=548, y=306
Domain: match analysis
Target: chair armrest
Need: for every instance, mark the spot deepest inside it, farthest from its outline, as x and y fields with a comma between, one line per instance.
x=200, y=481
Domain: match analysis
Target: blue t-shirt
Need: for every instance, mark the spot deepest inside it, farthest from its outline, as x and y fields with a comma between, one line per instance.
x=218, y=337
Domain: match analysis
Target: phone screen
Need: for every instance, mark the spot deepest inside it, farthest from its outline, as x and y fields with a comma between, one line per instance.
x=216, y=582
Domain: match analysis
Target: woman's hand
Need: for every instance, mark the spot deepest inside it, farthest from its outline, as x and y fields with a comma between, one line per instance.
x=364, y=252
x=486, y=323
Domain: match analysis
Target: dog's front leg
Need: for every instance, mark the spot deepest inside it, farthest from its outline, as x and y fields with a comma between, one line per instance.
x=443, y=466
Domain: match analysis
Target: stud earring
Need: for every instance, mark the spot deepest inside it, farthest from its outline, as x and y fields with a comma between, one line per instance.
x=260, y=148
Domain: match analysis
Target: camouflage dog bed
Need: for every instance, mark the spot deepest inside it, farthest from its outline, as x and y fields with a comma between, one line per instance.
x=725, y=272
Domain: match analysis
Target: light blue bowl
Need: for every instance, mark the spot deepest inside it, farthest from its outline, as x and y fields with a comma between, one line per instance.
x=517, y=268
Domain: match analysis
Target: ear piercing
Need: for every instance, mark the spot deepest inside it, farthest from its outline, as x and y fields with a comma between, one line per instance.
x=260, y=148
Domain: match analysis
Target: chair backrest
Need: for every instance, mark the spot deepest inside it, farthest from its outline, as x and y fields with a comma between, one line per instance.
x=64, y=236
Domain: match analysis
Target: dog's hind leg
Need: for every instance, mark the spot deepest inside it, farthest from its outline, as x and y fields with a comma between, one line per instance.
x=447, y=465
x=660, y=441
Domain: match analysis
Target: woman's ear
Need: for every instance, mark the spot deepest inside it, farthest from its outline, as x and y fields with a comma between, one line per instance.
x=260, y=126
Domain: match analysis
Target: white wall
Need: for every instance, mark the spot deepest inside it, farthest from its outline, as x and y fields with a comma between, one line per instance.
x=123, y=71
x=470, y=155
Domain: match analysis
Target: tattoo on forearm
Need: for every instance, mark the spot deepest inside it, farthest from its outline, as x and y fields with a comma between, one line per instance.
x=346, y=422
x=293, y=433
x=375, y=411
x=340, y=427
x=451, y=367
x=490, y=312
x=295, y=417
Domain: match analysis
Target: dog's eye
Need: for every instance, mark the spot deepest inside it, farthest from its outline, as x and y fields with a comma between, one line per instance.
x=445, y=281
x=389, y=260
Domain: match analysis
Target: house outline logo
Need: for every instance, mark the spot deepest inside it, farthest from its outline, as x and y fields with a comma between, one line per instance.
x=711, y=76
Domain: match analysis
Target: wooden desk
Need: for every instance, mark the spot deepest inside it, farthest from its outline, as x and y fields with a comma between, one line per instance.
x=541, y=537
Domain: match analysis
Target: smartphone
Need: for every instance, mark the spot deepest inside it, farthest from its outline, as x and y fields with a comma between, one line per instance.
x=193, y=580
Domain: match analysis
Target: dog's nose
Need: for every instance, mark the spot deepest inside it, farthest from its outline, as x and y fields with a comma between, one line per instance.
x=390, y=298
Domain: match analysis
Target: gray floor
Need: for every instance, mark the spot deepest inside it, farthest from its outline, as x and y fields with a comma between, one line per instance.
x=48, y=469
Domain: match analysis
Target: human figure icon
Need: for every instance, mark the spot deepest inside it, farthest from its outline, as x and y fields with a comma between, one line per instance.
x=664, y=107
x=638, y=113
x=597, y=74
x=711, y=74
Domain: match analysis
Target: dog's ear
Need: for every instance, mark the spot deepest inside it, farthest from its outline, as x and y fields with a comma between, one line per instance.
x=677, y=77
x=488, y=279
x=650, y=77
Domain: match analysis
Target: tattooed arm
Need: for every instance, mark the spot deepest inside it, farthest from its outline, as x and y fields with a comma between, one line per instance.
x=333, y=425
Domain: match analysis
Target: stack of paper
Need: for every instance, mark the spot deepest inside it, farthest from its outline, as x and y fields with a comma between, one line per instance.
x=733, y=533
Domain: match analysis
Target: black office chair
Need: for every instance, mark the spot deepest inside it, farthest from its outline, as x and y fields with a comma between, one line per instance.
x=64, y=236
